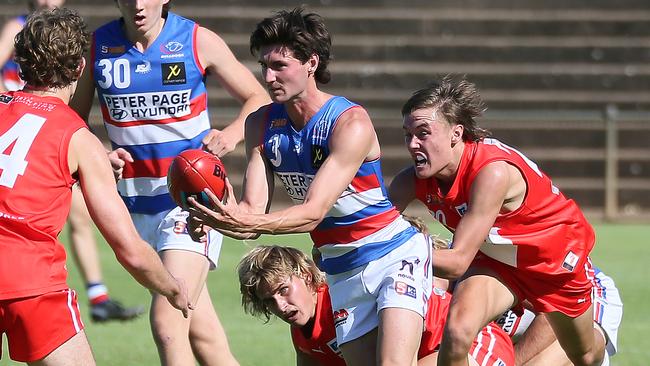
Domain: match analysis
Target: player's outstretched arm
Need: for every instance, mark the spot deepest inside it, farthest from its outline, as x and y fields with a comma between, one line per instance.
x=350, y=145
x=219, y=61
x=87, y=157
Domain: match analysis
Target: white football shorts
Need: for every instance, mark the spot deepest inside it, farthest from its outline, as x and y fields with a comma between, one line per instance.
x=400, y=279
x=168, y=230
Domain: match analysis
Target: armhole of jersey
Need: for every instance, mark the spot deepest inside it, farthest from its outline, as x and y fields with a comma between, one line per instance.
x=474, y=172
x=195, y=49
x=266, y=120
x=64, y=150
x=340, y=114
x=336, y=121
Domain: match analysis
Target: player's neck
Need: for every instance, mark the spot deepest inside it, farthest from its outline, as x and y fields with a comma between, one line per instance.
x=142, y=41
x=302, y=109
x=64, y=93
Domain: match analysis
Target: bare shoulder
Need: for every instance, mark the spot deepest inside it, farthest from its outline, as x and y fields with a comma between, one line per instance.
x=211, y=47
x=354, y=121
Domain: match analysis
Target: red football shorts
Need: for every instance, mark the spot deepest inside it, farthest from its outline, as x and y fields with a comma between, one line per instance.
x=569, y=294
x=38, y=325
x=493, y=347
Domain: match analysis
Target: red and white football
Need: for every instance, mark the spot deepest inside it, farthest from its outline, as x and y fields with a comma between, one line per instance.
x=191, y=172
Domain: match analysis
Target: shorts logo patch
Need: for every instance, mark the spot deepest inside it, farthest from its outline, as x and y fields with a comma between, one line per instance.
x=173, y=73
x=180, y=227
x=570, y=261
x=340, y=317
x=403, y=288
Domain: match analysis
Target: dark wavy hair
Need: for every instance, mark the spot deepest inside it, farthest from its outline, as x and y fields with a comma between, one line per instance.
x=305, y=34
x=50, y=47
x=457, y=100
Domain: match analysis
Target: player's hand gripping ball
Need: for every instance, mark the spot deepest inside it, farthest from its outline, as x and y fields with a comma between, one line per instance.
x=191, y=172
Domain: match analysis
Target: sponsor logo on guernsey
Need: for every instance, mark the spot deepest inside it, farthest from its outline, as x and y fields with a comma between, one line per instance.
x=296, y=184
x=173, y=73
x=171, y=49
x=570, y=261
x=5, y=99
x=143, y=68
x=340, y=317
x=112, y=49
x=461, y=209
x=317, y=156
x=402, y=288
x=499, y=362
x=148, y=106
x=278, y=122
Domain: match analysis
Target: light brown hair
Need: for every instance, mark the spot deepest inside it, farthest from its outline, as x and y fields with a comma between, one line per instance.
x=272, y=265
x=455, y=99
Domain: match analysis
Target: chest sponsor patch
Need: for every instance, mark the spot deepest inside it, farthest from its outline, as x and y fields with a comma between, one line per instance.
x=148, y=106
x=317, y=156
x=173, y=73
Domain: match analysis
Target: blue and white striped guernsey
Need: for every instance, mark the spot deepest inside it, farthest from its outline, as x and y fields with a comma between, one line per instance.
x=363, y=225
x=154, y=105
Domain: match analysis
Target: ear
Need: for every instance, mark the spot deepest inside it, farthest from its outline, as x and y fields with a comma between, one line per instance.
x=313, y=62
x=81, y=67
x=457, y=134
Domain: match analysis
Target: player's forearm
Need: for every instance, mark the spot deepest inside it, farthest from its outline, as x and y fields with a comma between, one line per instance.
x=238, y=236
x=145, y=266
x=295, y=219
x=450, y=263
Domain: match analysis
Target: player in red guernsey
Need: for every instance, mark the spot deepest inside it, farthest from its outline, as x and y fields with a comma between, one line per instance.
x=44, y=148
x=284, y=282
x=516, y=237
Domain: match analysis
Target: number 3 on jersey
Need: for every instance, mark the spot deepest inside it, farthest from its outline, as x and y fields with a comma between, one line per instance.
x=21, y=135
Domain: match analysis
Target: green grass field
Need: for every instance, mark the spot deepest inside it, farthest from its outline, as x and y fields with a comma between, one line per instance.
x=621, y=251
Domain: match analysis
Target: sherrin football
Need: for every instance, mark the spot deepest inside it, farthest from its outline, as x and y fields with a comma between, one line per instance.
x=191, y=172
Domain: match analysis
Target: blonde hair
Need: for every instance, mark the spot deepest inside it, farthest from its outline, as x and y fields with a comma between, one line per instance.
x=270, y=265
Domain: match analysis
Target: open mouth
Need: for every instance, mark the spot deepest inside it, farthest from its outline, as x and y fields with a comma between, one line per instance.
x=420, y=160
x=291, y=316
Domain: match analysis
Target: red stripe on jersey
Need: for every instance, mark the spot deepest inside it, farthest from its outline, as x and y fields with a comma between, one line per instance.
x=361, y=184
x=147, y=168
x=195, y=50
x=197, y=105
x=351, y=233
